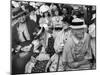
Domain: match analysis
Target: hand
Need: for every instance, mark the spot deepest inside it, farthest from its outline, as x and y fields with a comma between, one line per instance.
x=23, y=54
x=26, y=48
x=46, y=69
x=34, y=33
x=18, y=48
x=74, y=65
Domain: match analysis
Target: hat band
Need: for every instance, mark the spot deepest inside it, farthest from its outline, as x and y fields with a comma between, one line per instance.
x=78, y=27
x=77, y=23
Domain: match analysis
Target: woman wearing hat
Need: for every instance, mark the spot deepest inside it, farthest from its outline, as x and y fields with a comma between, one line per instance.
x=56, y=19
x=45, y=19
x=31, y=21
x=22, y=30
x=45, y=22
x=19, y=27
x=77, y=50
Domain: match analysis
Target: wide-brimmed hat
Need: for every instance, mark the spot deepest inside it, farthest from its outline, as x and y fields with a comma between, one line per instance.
x=17, y=12
x=44, y=8
x=78, y=23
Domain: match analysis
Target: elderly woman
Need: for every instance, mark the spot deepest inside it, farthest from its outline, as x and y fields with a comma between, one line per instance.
x=77, y=50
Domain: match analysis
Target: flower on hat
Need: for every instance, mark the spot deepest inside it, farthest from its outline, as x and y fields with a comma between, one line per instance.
x=33, y=4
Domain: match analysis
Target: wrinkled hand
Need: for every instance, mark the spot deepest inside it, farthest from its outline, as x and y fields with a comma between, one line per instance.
x=74, y=65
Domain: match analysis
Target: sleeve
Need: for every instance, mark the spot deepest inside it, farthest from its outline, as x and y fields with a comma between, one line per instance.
x=58, y=41
x=88, y=48
x=67, y=54
x=93, y=42
x=28, y=67
x=20, y=35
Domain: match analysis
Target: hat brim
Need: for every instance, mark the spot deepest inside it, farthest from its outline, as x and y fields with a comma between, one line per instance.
x=78, y=27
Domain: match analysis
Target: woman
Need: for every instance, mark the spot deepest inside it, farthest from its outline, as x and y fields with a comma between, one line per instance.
x=77, y=50
x=22, y=30
x=45, y=22
x=31, y=21
x=56, y=19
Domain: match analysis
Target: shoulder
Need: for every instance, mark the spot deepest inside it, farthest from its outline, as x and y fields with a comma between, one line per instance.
x=68, y=40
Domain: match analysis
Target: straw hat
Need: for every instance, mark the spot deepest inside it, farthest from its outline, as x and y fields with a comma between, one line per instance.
x=77, y=23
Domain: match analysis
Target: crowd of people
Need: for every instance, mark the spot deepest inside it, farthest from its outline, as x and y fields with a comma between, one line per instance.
x=51, y=37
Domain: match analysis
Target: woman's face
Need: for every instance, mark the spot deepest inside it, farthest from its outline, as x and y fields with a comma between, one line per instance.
x=46, y=14
x=56, y=12
x=22, y=18
x=64, y=11
x=78, y=33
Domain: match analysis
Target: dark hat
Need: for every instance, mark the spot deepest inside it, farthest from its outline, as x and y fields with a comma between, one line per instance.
x=68, y=8
x=30, y=8
x=17, y=12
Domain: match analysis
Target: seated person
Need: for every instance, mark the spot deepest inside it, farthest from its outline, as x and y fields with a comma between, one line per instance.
x=77, y=50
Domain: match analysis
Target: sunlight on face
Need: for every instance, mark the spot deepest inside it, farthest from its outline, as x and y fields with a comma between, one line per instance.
x=79, y=33
x=56, y=12
x=22, y=18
